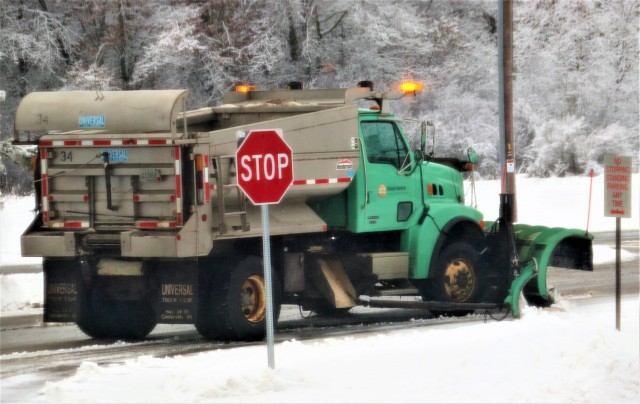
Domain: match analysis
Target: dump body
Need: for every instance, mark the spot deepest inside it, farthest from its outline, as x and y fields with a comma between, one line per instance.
x=148, y=183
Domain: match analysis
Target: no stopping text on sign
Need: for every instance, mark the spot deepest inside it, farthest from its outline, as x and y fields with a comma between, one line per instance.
x=617, y=186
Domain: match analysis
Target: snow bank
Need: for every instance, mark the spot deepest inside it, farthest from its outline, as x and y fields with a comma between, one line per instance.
x=21, y=291
x=552, y=355
x=16, y=213
x=556, y=202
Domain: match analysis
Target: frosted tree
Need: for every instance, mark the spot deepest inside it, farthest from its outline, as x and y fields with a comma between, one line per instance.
x=556, y=147
x=36, y=46
x=14, y=164
x=578, y=60
x=33, y=39
x=461, y=72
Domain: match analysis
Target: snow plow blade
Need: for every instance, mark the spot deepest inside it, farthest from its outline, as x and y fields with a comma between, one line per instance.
x=540, y=247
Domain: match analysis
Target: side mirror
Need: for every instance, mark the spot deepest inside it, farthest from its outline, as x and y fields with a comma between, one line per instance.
x=418, y=155
x=423, y=136
x=472, y=156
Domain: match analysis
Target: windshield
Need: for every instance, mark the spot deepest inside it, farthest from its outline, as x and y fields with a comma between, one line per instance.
x=383, y=143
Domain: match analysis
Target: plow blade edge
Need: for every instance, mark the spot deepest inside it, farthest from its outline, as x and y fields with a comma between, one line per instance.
x=540, y=247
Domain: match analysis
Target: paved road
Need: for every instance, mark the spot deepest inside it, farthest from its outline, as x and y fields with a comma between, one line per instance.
x=601, y=281
x=20, y=269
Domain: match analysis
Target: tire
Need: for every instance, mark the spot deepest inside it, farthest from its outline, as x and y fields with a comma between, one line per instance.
x=457, y=277
x=233, y=305
x=102, y=317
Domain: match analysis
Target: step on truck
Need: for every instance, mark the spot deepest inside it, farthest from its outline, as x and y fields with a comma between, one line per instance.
x=140, y=220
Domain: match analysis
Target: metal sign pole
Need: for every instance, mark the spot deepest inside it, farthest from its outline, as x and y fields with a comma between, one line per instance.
x=266, y=250
x=618, y=273
x=617, y=203
x=263, y=154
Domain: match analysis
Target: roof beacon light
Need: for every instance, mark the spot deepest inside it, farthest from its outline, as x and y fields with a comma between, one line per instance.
x=411, y=87
x=244, y=88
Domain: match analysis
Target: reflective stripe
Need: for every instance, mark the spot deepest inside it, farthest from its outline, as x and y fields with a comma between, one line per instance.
x=318, y=181
x=178, y=169
x=70, y=225
x=205, y=173
x=156, y=225
x=105, y=142
x=44, y=186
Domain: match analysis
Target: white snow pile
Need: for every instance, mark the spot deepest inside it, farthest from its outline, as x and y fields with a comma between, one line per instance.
x=21, y=291
x=552, y=355
x=15, y=216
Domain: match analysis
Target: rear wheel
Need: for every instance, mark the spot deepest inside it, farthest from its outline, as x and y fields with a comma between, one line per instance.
x=233, y=302
x=104, y=317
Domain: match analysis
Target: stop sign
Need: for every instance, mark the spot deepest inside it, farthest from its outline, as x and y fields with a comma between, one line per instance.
x=264, y=166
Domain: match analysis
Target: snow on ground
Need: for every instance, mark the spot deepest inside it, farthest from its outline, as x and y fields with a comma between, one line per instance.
x=21, y=291
x=557, y=202
x=567, y=353
x=15, y=216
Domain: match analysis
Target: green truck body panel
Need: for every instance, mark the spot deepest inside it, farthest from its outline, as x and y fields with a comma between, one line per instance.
x=390, y=193
x=421, y=240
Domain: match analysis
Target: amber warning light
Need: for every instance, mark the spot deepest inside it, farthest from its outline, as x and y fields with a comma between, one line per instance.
x=244, y=88
x=411, y=86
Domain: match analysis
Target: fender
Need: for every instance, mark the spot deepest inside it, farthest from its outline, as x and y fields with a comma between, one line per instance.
x=424, y=241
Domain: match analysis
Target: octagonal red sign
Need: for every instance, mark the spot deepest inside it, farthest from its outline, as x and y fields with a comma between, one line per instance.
x=264, y=165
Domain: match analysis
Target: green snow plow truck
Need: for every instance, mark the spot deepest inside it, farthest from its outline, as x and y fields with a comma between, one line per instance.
x=140, y=219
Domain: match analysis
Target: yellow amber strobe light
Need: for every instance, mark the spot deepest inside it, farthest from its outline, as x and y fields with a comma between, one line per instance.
x=411, y=86
x=244, y=88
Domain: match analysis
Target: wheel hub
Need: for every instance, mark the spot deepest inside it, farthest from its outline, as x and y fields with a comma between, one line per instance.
x=459, y=280
x=253, y=299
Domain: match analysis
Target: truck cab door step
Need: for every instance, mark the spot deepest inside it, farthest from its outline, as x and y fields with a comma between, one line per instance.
x=400, y=292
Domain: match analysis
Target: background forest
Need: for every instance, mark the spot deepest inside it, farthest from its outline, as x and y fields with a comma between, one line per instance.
x=575, y=79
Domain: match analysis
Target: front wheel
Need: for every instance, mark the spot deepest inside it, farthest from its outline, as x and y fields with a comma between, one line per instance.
x=233, y=304
x=457, y=278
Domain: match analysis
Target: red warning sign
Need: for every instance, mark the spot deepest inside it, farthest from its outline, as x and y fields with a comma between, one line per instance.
x=617, y=186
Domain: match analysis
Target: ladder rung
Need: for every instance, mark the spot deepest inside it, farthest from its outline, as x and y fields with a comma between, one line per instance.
x=239, y=213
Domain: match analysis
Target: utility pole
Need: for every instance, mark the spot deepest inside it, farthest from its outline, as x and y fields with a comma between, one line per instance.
x=505, y=79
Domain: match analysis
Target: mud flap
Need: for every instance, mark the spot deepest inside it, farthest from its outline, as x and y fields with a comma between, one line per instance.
x=62, y=280
x=329, y=277
x=177, y=297
x=540, y=247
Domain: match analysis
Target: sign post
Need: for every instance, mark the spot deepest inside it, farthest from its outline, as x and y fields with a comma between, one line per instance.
x=265, y=172
x=617, y=203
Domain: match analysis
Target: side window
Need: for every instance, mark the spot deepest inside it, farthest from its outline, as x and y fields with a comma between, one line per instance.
x=383, y=143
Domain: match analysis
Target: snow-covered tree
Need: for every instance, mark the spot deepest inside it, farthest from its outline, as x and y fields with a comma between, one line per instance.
x=15, y=162
x=576, y=62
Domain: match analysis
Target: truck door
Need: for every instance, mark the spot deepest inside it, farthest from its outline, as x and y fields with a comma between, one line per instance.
x=390, y=199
